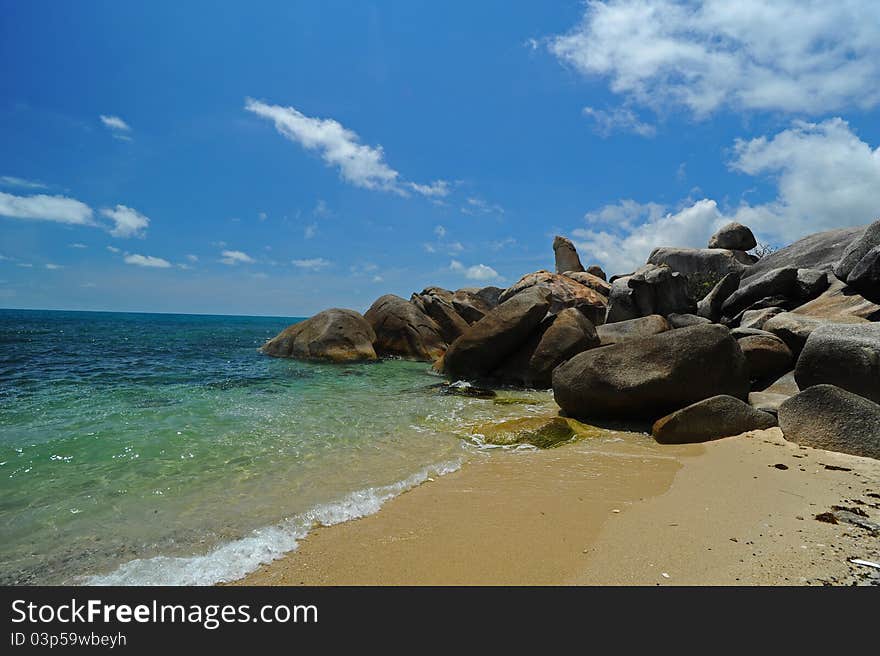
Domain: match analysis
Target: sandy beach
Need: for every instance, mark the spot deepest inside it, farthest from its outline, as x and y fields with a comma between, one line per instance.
x=618, y=511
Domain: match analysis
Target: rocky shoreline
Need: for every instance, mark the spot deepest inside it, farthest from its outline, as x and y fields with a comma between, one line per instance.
x=704, y=343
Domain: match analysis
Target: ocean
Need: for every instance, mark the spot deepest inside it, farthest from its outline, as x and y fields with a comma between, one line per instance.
x=165, y=449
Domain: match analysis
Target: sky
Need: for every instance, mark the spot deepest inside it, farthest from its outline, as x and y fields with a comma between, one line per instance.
x=279, y=158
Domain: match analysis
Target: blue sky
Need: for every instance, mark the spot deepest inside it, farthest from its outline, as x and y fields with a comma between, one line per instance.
x=283, y=157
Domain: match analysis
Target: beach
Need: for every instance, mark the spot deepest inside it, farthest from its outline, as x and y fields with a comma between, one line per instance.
x=627, y=511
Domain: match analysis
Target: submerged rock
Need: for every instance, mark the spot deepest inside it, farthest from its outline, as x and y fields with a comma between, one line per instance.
x=402, y=330
x=542, y=432
x=827, y=417
x=464, y=388
x=652, y=375
x=334, y=335
x=710, y=419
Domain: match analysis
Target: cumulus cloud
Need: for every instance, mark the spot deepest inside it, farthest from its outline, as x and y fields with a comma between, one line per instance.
x=115, y=123
x=313, y=264
x=41, y=207
x=236, y=257
x=147, y=261
x=361, y=165
x=127, y=222
x=480, y=272
x=12, y=181
x=804, y=56
x=619, y=119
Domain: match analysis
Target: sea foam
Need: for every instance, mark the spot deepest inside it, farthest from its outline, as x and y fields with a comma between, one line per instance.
x=235, y=559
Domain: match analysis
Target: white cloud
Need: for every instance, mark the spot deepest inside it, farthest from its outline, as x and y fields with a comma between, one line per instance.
x=46, y=208
x=810, y=56
x=262, y=216
x=479, y=272
x=147, y=261
x=502, y=243
x=440, y=231
x=128, y=222
x=192, y=258
x=115, y=123
x=113, y=249
x=361, y=165
x=25, y=265
x=53, y=267
x=314, y=264
x=618, y=119
x=77, y=245
x=476, y=206
x=236, y=257
x=310, y=230
x=12, y=181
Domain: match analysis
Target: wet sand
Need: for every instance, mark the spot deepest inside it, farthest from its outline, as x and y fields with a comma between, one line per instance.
x=618, y=511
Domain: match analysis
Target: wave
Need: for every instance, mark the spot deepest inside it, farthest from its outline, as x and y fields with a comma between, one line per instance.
x=234, y=560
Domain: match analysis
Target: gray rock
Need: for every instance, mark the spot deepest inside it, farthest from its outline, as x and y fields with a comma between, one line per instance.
x=840, y=303
x=710, y=306
x=625, y=331
x=469, y=305
x=865, y=276
x=847, y=356
x=660, y=290
x=564, y=293
x=767, y=401
x=767, y=355
x=566, y=255
x=710, y=419
x=706, y=261
x=793, y=329
x=811, y=283
x=685, y=320
x=741, y=333
x=490, y=295
x=333, y=335
x=568, y=334
x=830, y=418
x=817, y=251
x=444, y=314
x=783, y=385
x=621, y=305
x=404, y=331
x=734, y=236
x=501, y=332
x=597, y=271
x=757, y=318
x=773, y=284
x=653, y=375
x=861, y=244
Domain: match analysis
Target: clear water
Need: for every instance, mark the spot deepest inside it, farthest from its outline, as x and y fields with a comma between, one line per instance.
x=147, y=448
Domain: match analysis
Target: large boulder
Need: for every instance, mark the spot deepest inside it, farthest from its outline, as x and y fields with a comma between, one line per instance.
x=333, y=335
x=564, y=293
x=567, y=334
x=757, y=318
x=811, y=283
x=660, y=290
x=486, y=344
x=794, y=328
x=566, y=255
x=868, y=238
x=768, y=402
x=710, y=419
x=865, y=276
x=443, y=313
x=827, y=417
x=404, y=331
x=847, y=356
x=591, y=280
x=708, y=262
x=621, y=305
x=685, y=320
x=472, y=304
x=776, y=283
x=767, y=355
x=626, y=331
x=652, y=376
x=817, y=251
x=710, y=306
x=734, y=236
x=840, y=303
x=597, y=271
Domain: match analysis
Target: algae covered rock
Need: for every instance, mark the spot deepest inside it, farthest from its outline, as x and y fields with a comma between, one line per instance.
x=542, y=432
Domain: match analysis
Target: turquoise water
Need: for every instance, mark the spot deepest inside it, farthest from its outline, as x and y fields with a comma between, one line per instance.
x=150, y=448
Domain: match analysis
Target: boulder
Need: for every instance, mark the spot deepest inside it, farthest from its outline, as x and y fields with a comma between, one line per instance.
x=660, y=290
x=827, y=417
x=710, y=306
x=597, y=271
x=734, y=236
x=768, y=402
x=757, y=318
x=868, y=238
x=794, y=328
x=865, y=276
x=621, y=306
x=470, y=305
x=767, y=355
x=333, y=335
x=564, y=292
x=842, y=304
x=486, y=343
x=402, y=330
x=542, y=432
x=443, y=313
x=710, y=419
x=811, y=283
x=709, y=262
x=625, y=331
x=652, y=376
x=566, y=255
x=847, y=356
x=592, y=281
x=783, y=385
x=817, y=251
x=567, y=334
x=740, y=333
x=685, y=320
x=776, y=283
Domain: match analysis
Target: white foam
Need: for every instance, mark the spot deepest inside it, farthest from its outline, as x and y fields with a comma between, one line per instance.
x=235, y=559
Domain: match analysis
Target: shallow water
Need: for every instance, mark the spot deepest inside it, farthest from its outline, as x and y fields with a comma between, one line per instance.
x=147, y=448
